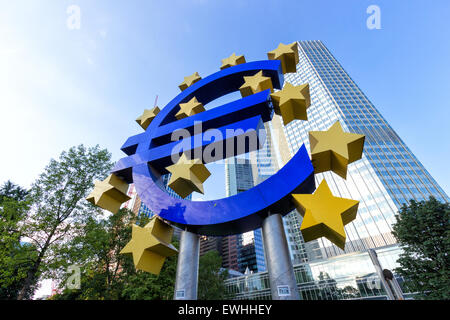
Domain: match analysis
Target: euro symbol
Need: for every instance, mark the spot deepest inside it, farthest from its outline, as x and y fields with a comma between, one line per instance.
x=149, y=153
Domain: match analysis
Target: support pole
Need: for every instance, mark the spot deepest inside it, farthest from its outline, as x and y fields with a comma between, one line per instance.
x=281, y=272
x=397, y=289
x=186, y=281
x=392, y=281
x=377, y=265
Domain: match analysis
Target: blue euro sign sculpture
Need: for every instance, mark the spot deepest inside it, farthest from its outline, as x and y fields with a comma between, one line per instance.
x=151, y=152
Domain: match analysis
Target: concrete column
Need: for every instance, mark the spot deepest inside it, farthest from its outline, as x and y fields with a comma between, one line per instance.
x=186, y=281
x=279, y=265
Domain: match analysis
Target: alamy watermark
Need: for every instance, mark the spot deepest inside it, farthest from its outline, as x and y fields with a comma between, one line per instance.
x=73, y=21
x=74, y=280
x=374, y=20
x=214, y=145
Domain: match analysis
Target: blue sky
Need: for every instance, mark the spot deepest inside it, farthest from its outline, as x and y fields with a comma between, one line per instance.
x=61, y=87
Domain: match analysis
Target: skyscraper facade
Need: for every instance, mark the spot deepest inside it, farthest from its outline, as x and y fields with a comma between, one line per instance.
x=229, y=252
x=266, y=162
x=387, y=176
x=250, y=249
x=209, y=244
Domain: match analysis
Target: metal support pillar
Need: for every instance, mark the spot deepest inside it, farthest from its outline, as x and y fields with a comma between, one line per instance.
x=396, y=289
x=186, y=281
x=377, y=265
x=393, y=283
x=281, y=272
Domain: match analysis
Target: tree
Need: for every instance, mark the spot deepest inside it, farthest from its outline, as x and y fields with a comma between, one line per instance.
x=58, y=209
x=10, y=190
x=96, y=249
x=423, y=230
x=15, y=255
x=107, y=274
x=211, y=277
x=141, y=285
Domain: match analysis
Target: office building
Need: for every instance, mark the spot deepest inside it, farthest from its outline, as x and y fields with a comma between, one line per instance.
x=266, y=162
x=387, y=176
x=346, y=277
x=250, y=250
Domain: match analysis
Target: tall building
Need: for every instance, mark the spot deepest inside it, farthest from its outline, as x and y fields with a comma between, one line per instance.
x=250, y=250
x=229, y=252
x=209, y=244
x=266, y=162
x=388, y=174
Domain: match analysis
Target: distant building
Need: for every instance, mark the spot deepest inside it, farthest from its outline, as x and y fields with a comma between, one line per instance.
x=249, y=246
x=209, y=244
x=229, y=252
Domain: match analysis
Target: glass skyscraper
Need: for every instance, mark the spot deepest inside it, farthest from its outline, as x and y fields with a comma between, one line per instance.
x=387, y=176
x=265, y=162
x=250, y=249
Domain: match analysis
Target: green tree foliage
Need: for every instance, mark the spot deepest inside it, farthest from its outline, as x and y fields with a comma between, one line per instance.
x=146, y=286
x=15, y=255
x=96, y=250
x=108, y=275
x=58, y=209
x=423, y=230
x=211, y=277
x=62, y=229
x=9, y=190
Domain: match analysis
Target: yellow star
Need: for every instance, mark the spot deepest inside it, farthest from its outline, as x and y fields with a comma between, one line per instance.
x=189, y=81
x=150, y=245
x=231, y=61
x=187, y=176
x=256, y=83
x=190, y=108
x=325, y=215
x=147, y=117
x=287, y=54
x=335, y=149
x=291, y=102
x=109, y=194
